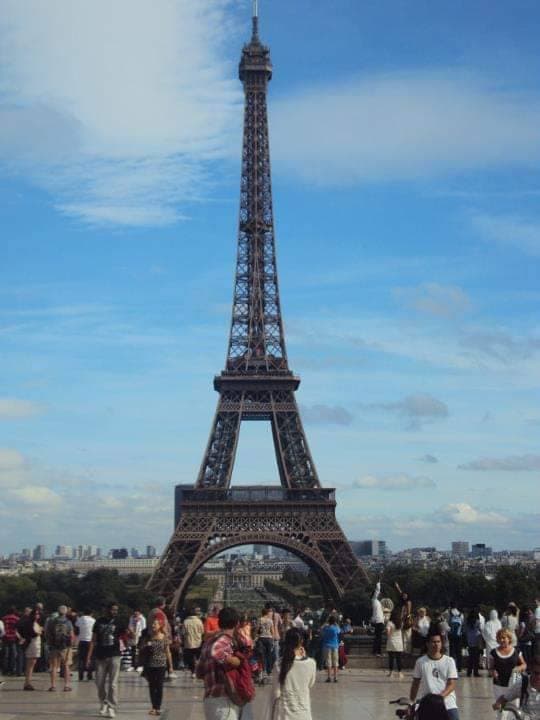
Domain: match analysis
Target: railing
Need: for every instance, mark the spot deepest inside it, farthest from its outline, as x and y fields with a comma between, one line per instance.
x=259, y=494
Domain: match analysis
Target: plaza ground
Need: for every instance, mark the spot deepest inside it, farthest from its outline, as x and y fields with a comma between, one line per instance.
x=358, y=694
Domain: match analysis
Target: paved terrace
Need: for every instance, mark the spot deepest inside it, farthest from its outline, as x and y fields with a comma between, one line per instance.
x=359, y=694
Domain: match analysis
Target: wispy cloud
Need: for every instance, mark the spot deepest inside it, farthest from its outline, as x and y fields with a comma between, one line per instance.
x=405, y=126
x=415, y=410
x=429, y=459
x=398, y=482
x=511, y=231
x=435, y=299
x=513, y=463
x=326, y=415
x=118, y=110
x=15, y=409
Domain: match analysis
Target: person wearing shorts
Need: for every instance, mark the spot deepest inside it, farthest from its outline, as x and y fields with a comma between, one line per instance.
x=59, y=634
x=330, y=647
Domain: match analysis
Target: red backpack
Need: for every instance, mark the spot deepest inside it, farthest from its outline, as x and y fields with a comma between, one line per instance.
x=239, y=682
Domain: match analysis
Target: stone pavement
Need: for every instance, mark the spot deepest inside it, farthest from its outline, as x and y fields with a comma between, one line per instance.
x=359, y=694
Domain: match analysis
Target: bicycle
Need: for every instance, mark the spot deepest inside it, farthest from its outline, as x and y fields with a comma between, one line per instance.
x=409, y=711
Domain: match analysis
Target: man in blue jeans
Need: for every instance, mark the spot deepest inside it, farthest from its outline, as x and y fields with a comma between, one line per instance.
x=436, y=673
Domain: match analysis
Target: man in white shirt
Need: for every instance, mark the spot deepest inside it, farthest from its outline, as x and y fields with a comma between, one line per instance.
x=436, y=673
x=84, y=626
x=377, y=619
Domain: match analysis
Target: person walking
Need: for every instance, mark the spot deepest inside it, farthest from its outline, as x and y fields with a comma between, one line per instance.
x=193, y=638
x=473, y=638
x=330, y=647
x=217, y=656
x=436, y=673
x=155, y=657
x=211, y=623
x=85, y=625
x=504, y=662
x=136, y=627
x=377, y=619
x=394, y=643
x=292, y=679
x=59, y=636
x=105, y=647
x=525, y=634
x=456, y=622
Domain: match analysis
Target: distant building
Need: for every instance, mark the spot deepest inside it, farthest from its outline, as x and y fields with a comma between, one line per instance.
x=460, y=548
x=150, y=551
x=134, y=553
x=64, y=552
x=26, y=554
x=370, y=548
x=481, y=550
x=39, y=553
x=119, y=553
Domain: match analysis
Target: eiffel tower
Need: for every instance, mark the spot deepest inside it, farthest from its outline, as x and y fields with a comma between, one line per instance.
x=257, y=384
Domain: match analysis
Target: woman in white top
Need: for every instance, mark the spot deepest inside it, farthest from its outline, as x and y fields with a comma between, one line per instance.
x=292, y=678
x=489, y=633
x=394, y=642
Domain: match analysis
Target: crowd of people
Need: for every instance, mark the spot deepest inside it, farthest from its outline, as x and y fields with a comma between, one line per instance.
x=233, y=652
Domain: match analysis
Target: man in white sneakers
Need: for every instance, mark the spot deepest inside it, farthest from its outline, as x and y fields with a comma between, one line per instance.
x=435, y=673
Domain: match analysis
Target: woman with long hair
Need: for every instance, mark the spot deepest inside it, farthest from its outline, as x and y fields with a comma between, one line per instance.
x=292, y=678
x=394, y=643
x=155, y=657
x=29, y=632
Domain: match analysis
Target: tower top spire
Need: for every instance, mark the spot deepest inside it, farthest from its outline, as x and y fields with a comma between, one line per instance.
x=255, y=21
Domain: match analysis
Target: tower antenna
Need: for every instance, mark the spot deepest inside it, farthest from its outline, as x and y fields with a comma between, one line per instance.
x=255, y=20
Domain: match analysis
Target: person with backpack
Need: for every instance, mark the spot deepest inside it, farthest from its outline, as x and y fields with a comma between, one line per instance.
x=217, y=658
x=455, y=636
x=59, y=636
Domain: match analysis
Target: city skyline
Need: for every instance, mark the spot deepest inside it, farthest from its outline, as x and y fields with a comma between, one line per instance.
x=405, y=154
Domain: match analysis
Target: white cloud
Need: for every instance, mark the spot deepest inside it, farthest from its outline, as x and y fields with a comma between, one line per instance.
x=435, y=299
x=10, y=460
x=115, y=108
x=510, y=231
x=404, y=126
x=14, y=409
x=513, y=463
x=465, y=514
x=398, y=482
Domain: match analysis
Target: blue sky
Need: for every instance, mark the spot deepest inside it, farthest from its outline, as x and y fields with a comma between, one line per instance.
x=405, y=143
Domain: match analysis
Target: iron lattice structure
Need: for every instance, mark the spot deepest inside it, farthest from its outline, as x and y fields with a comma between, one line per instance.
x=257, y=384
